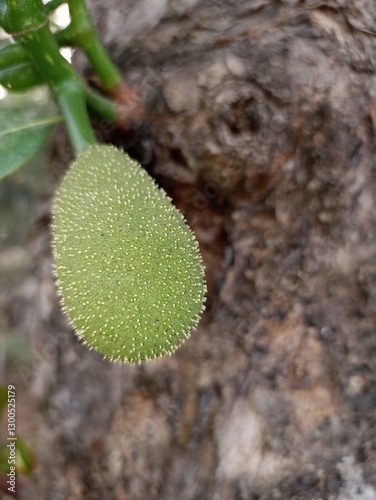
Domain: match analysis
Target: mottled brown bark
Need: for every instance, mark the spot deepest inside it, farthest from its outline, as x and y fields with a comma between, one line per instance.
x=262, y=120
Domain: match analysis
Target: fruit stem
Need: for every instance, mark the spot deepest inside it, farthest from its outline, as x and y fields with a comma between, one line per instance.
x=100, y=104
x=28, y=24
x=17, y=67
x=81, y=32
x=70, y=99
x=64, y=82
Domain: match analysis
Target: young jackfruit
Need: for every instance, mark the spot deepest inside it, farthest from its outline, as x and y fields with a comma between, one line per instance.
x=128, y=268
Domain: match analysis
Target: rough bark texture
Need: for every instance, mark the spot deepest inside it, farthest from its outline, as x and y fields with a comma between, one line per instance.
x=263, y=121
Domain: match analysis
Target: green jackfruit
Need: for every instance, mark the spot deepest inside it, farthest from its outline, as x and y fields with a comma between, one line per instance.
x=128, y=268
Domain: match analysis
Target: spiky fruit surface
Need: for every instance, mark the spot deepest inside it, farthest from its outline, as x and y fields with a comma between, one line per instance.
x=128, y=268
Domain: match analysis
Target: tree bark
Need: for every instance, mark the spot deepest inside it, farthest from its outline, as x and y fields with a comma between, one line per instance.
x=261, y=126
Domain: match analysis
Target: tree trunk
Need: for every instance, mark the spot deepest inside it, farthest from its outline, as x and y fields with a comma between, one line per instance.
x=261, y=121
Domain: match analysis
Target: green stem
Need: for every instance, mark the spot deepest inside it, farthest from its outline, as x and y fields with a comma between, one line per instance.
x=65, y=37
x=22, y=74
x=27, y=22
x=64, y=82
x=30, y=29
x=44, y=50
x=100, y=105
x=53, y=5
x=82, y=33
x=69, y=97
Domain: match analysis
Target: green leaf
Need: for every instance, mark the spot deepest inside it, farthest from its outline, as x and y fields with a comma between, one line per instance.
x=25, y=461
x=23, y=130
